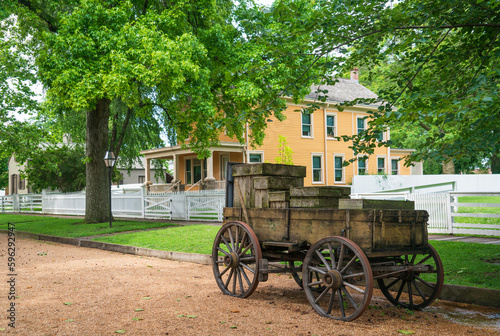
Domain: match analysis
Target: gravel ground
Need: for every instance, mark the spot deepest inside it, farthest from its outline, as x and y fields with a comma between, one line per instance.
x=67, y=290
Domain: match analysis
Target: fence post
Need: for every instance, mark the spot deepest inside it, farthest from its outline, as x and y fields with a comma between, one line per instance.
x=143, y=201
x=451, y=209
x=15, y=203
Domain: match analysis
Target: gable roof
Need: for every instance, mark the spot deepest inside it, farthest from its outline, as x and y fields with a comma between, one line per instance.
x=344, y=90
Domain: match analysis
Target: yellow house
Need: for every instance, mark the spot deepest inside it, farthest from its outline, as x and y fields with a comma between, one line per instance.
x=312, y=137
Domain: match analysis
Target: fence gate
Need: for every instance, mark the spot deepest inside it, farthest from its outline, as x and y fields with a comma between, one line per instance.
x=157, y=207
x=205, y=207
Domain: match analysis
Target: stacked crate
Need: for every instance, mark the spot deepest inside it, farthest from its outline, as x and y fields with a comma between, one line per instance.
x=265, y=185
x=318, y=197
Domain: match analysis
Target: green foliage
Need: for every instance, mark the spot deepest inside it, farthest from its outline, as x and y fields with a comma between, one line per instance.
x=71, y=227
x=284, y=152
x=4, y=172
x=57, y=168
x=436, y=61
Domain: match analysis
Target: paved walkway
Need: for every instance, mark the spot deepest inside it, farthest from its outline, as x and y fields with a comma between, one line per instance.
x=466, y=239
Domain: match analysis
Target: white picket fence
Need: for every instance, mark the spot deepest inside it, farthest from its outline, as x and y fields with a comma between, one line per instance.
x=199, y=206
x=445, y=211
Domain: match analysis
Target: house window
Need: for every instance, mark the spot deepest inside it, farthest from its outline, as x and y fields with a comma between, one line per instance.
x=380, y=136
x=141, y=179
x=330, y=126
x=255, y=157
x=121, y=179
x=381, y=165
x=317, y=168
x=22, y=184
x=394, y=167
x=224, y=159
x=361, y=124
x=194, y=171
x=362, y=166
x=306, y=125
x=339, y=168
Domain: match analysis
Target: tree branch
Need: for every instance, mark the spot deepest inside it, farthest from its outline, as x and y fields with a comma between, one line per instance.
x=38, y=12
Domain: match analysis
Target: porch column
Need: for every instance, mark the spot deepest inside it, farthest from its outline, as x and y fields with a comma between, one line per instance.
x=148, y=173
x=175, y=168
x=210, y=168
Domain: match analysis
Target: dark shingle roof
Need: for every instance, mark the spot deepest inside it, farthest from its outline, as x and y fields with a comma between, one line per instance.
x=343, y=90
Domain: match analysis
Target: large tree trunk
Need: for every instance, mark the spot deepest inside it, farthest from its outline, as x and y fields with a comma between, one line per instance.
x=448, y=166
x=97, y=188
x=495, y=163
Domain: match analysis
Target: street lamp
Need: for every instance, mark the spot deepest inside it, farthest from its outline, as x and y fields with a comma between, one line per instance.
x=109, y=160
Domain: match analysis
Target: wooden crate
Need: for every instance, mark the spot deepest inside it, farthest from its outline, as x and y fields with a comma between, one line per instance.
x=279, y=199
x=256, y=181
x=377, y=232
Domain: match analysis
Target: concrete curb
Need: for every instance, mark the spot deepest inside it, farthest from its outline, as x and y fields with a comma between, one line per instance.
x=463, y=294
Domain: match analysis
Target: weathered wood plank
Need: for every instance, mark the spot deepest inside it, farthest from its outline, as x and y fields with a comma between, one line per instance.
x=324, y=191
x=269, y=169
x=375, y=204
x=277, y=182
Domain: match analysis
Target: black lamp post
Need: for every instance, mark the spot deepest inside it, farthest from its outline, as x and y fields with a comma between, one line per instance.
x=109, y=160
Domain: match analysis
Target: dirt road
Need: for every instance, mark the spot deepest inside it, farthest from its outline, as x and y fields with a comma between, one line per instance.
x=66, y=290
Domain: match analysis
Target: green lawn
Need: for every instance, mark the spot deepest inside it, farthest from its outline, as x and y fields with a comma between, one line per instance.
x=71, y=227
x=190, y=239
x=470, y=264
x=484, y=210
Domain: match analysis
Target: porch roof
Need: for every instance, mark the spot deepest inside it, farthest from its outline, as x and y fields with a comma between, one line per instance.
x=169, y=152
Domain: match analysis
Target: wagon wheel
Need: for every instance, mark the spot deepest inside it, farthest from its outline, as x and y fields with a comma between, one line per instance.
x=346, y=285
x=297, y=276
x=236, y=253
x=421, y=288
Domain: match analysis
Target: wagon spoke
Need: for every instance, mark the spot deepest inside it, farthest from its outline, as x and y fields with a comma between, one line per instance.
x=353, y=287
x=245, y=276
x=428, y=284
x=330, y=304
x=248, y=268
x=240, y=281
x=237, y=239
x=349, y=264
x=353, y=275
x=332, y=256
x=246, y=249
x=226, y=242
x=400, y=290
x=320, y=255
x=424, y=260
x=321, y=294
x=234, y=281
x=315, y=283
x=221, y=250
x=413, y=259
x=341, y=303
x=422, y=295
x=229, y=277
x=225, y=270
x=392, y=283
x=232, y=239
x=410, y=293
x=350, y=298
x=242, y=242
x=247, y=258
x=314, y=269
x=341, y=256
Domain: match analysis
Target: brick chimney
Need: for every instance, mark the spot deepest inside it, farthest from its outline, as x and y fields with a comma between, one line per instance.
x=355, y=74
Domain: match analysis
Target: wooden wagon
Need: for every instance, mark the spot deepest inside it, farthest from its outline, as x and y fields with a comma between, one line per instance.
x=334, y=247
